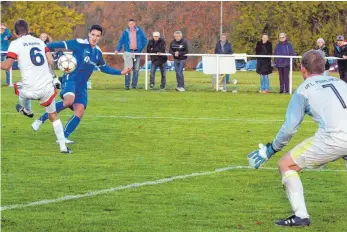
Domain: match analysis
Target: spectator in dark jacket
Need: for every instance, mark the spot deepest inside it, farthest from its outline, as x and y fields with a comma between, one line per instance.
x=134, y=40
x=283, y=48
x=325, y=49
x=340, y=50
x=264, y=47
x=157, y=45
x=5, y=42
x=224, y=47
x=179, y=48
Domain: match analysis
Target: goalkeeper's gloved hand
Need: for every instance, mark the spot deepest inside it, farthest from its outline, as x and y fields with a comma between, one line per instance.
x=56, y=83
x=258, y=157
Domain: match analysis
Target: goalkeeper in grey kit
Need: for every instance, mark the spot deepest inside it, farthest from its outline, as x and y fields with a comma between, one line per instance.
x=324, y=98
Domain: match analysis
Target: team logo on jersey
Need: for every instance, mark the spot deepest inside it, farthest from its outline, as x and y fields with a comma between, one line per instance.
x=87, y=59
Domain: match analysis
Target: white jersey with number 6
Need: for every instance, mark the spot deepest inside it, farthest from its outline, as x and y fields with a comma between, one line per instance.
x=325, y=99
x=31, y=55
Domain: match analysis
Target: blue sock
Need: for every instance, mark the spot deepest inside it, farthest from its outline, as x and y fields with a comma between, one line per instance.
x=59, y=107
x=71, y=125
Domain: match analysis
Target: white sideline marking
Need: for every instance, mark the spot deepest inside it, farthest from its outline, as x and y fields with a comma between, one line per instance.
x=176, y=118
x=146, y=183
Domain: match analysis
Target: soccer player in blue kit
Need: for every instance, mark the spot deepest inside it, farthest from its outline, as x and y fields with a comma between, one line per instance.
x=74, y=85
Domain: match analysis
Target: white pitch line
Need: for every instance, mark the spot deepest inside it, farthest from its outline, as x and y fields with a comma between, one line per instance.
x=176, y=118
x=137, y=185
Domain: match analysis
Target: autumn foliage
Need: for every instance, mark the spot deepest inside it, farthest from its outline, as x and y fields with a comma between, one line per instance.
x=304, y=22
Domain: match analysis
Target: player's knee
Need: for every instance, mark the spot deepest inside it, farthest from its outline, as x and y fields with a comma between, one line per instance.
x=79, y=110
x=68, y=101
x=53, y=116
x=79, y=113
x=283, y=163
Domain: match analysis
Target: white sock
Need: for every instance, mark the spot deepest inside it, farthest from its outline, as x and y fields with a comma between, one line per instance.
x=59, y=132
x=295, y=193
x=26, y=103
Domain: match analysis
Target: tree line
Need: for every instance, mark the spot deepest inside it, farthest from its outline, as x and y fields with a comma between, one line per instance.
x=244, y=22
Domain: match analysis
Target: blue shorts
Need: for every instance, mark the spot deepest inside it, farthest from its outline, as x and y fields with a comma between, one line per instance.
x=78, y=89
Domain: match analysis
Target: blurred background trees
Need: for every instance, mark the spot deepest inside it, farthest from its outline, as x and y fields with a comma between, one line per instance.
x=244, y=22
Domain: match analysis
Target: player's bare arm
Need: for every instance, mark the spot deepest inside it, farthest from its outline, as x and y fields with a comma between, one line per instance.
x=7, y=64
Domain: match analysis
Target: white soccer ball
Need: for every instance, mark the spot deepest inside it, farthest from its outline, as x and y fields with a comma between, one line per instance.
x=234, y=81
x=67, y=63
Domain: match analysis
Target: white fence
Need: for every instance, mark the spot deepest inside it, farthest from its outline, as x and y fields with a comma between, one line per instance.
x=235, y=56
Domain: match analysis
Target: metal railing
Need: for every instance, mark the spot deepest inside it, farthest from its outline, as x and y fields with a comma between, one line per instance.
x=147, y=55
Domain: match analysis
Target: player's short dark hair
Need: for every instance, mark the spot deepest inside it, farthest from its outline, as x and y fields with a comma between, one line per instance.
x=314, y=61
x=131, y=20
x=21, y=27
x=96, y=27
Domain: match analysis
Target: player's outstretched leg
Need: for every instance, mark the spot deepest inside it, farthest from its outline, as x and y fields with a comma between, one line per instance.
x=295, y=193
x=38, y=122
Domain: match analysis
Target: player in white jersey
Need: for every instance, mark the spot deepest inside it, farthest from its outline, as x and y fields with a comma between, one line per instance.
x=34, y=60
x=324, y=98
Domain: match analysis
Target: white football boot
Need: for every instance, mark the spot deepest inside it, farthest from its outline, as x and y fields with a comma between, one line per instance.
x=36, y=124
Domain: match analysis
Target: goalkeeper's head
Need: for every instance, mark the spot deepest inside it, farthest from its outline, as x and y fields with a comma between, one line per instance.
x=95, y=34
x=312, y=63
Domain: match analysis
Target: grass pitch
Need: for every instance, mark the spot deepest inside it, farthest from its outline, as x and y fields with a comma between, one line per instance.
x=137, y=136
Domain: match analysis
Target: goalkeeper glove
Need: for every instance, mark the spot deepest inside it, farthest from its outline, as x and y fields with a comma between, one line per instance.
x=258, y=157
x=56, y=83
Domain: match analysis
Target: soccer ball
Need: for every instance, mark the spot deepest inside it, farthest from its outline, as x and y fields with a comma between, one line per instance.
x=67, y=63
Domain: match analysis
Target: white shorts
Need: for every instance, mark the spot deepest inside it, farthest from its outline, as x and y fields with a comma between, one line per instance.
x=320, y=149
x=46, y=95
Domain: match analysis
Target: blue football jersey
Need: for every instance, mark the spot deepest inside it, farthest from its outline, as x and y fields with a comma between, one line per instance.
x=87, y=58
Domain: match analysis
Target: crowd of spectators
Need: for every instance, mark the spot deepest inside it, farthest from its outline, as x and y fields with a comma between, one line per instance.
x=134, y=40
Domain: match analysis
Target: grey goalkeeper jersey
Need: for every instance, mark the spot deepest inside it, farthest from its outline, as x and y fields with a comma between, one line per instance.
x=322, y=97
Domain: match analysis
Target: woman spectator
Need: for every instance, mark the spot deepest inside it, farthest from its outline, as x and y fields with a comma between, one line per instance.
x=45, y=38
x=325, y=49
x=264, y=47
x=283, y=48
x=48, y=39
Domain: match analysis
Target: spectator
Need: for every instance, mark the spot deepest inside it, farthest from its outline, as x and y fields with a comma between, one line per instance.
x=179, y=48
x=5, y=42
x=48, y=39
x=45, y=38
x=340, y=50
x=325, y=49
x=264, y=47
x=134, y=40
x=283, y=48
x=224, y=47
x=157, y=45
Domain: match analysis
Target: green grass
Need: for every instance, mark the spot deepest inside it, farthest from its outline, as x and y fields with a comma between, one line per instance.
x=170, y=134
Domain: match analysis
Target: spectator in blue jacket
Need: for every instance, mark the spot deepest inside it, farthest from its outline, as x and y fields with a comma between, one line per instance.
x=134, y=40
x=5, y=42
x=283, y=48
x=224, y=47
